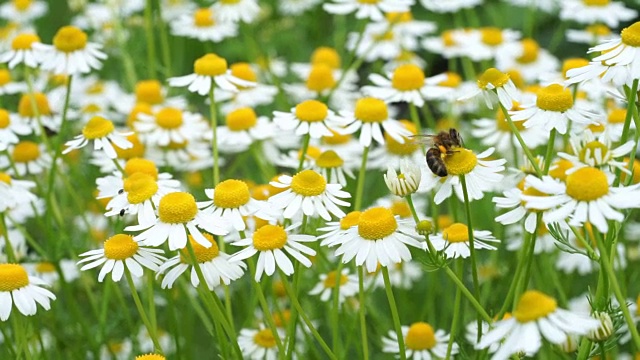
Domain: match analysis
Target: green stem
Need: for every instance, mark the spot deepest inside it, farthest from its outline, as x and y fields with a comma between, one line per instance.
x=305, y=148
x=548, y=155
x=36, y=112
x=335, y=311
x=415, y=118
x=11, y=255
x=627, y=121
x=362, y=311
x=214, y=140
x=164, y=45
x=305, y=317
x=472, y=249
x=56, y=148
x=151, y=41
x=394, y=311
x=266, y=311
x=456, y=312
x=153, y=334
x=515, y=131
x=479, y=309
x=361, y=175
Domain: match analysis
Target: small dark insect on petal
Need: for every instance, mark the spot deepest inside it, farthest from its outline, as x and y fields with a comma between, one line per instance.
x=120, y=191
x=122, y=212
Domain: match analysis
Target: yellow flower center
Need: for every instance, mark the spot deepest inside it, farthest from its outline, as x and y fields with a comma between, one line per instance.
x=202, y=253
x=139, y=108
x=596, y=2
x=554, y=98
x=587, y=184
x=531, y=191
x=598, y=30
x=264, y=338
x=244, y=71
x=5, y=178
x=596, y=128
x=332, y=280
x=229, y=2
x=635, y=170
x=69, y=39
x=311, y=111
x=139, y=187
x=408, y=147
x=169, y=118
x=401, y=208
x=461, y=162
x=241, y=119
x=530, y=50
x=45, y=267
x=281, y=318
x=573, y=63
x=203, y=17
x=96, y=88
x=631, y=35
x=5, y=77
x=26, y=108
x=135, y=165
x=351, y=219
x=503, y=124
x=313, y=152
x=456, y=233
x=26, y=151
x=407, y=77
x=137, y=150
x=149, y=91
x=534, y=305
x=399, y=17
x=24, y=41
x=150, y=357
x=326, y=55
x=370, y=2
x=120, y=247
x=5, y=121
x=371, y=110
x=320, y=78
x=269, y=237
x=12, y=277
x=336, y=138
x=494, y=77
x=210, y=65
x=420, y=337
x=617, y=116
x=177, y=208
x=97, y=127
x=376, y=223
x=329, y=159
x=591, y=148
x=22, y=5
x=491, y=36
x=516, y=78
x=453, y=80
x=231, y=194
x=560, y=168
x=308, y=183
x=447, y=38
x=275, y=190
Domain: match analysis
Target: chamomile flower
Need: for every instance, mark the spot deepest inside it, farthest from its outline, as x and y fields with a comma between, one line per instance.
x=22, y=51
x=335, y=230
x=230, y=202
x=70, y=53
x=585, y=195
x=598, y=152
x=270, y=243
x=371, y=116
x=102, y=132
x=421, y=342
x=378, y=238
x=23, y=12
x=21, y=290
x=347, y=285
x=308, y=193
x=177, y=215
x=47, y=272
x=495, y=86
x=14, y=192
x=480, y=174
x=243, y=128
x=377, y=42
x=309, y=117
x=527, y=57
x=207, y=70
x=322, y=80
x=8, y=86
x=215, y=265
x=554, y=108
x=450, y=6
x=367, y=10
x=333, y=167
x=591, y=35
x=121, y=251
x=10, y=128
x=408, y=84
x=112, y=185
x=246, y=96
x=591, y=12
x=513, y=199
x=41, y=112
x=536, y=316
x=205, y=25
x=454, y=241
x=619, y=61
x=170, y=124
x=27, y=157
x=406, y=182
x=236, y=10
x=259, y=344
x=485, y=43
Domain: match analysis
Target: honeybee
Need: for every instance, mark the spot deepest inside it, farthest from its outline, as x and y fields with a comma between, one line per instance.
x=441, y=144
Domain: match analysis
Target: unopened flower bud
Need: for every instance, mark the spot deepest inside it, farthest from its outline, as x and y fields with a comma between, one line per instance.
x=604, y=331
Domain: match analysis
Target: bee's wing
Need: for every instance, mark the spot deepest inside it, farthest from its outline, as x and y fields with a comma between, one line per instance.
x=422, y=139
